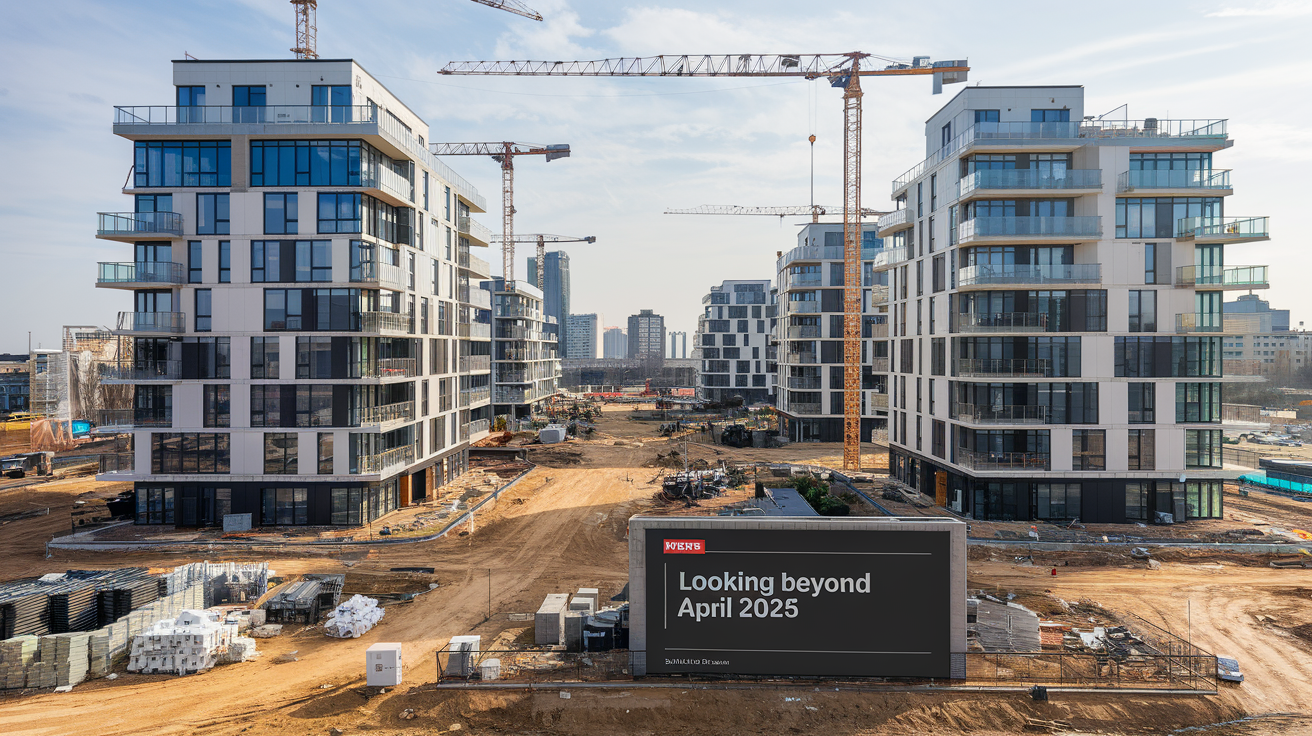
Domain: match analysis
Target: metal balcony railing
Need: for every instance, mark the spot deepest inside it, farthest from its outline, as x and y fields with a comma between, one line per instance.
x=879, y=365
x=1129, y=181
x=1083, y=226
x=801, y=358
x=394, y=368
x=144, y=370
x=1228, y=277
x=1068, y=273
x=894, y=219
x=1009, y=367
x=804, y=307
x=804, y=382
x=1223, y=229
x=1198, y=322
x=474, y=329
x=471, y=396
x=121, y=463
x=141, y=272
x=386, y=322
x=400, y=411
x=474, y=363
x=382, y=462
x=1029, y=179
x=1002, y=414
x=139, y=223
x=972, y=322
x=803, y=332
x=173, y=322
x=804, y=408
x=1003, y=460
x=876, y=400
x=133, y=418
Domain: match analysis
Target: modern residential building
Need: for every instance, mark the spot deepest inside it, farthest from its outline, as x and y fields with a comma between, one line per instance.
x=678, y=345
x=555, y=292
x=308, y=340
x=1276, y=355
x=646, y=335
x=1248, y=314
x=581, y=332
x=14, y=386
x=525, y=364
x=1056, y=289
x=811, y=363
x=732, y=342
x=615, y=343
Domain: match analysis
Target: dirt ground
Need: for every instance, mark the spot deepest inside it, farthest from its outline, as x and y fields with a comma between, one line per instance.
x=564, y=526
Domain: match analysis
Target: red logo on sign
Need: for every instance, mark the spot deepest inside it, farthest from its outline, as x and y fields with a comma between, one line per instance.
x=685, y=546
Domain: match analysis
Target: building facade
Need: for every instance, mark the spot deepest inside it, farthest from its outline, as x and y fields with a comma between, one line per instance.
x=555, y=292
x=1248, y=314
x=615, y=343
x=1056, y=310
x=14, y=386
x=1276, y=355
x=646, y=336
x=732, y=344
x=307, y=340
x=810, y=333
x=526, y=366
x=581, y=331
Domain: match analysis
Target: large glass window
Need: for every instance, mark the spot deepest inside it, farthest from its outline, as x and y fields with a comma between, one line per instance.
x=154, y=505
x=204, y=310
x=1143, y=449
x=308, y=163
x=986, y=116
x=248, y=101
x=339, y=212
x=1050, y=116
x=336, y=101
x=335, y=310
x=1158, y=217
x=183, y=164
x=303, y=261
x=264, y=357
x=1056, y=500
x=1163, y=357
x=1136, y=502
x=284, y=506
x=191, y=96
x=212, y=214
x=348, y=506
x=218, y=406
x=266, y=405
x=326, y=454
x=195, y=255
x=283, y=309
x=1142, y=403
x=280, y=213
x=314, y=357
x=190, y=452
x=206, y=357
x=225, y=261
x=1202, y=448
x=1197, y=402
x=1089, y=449
x=146, y=203
x=1143, y=310
x=280, y=453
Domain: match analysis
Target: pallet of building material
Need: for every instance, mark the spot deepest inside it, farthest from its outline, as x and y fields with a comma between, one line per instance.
x=297, y=602
x=353, y=618
x=330, y=590
x=267, y=631
x=188, y=644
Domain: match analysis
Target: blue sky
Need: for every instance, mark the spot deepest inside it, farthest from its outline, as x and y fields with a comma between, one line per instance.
x=640, y=145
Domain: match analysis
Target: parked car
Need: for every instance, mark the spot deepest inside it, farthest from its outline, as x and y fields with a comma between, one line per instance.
x=1227, y=668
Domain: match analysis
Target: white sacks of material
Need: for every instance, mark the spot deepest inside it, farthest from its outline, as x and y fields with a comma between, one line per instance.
x=353, y=618
x=188, y=644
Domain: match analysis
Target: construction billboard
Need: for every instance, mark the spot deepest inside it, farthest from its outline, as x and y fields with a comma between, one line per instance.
x=821, y=597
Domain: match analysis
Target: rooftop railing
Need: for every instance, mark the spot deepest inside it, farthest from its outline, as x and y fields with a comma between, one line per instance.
x=1028, y=227
x=1067, y=273
x=141, y=272
x=1029, y=179
x=1129, y=181
x=139, y=223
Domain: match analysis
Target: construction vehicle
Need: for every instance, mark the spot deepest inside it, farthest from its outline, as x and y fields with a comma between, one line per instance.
x=843, y=71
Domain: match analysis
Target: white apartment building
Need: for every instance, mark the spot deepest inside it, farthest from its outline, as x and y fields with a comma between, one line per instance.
x=581, y=336
x=309, y=335
x=732, y=344
x=526, y=364
x=1276, y=354
x=810, y=329
x=1056, y=289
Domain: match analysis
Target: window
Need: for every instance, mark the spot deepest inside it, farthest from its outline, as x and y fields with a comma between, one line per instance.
x=1197, y=402
x=212, y=214
x=1163, y=357
x=1089, y=449
x=264, y=357
x=986, y=116
x=206, y=357
x=1050, y=116
x=1143, y=311
x=939, y=271
x=225, y=261
x=312, y=163
x=1203, y=499
x=194, y=261
x=939, y=436
x=339, y=212
x=1159, y=217
x=217, y=408
x=1056, y=500
x=154, y=505
x=1142, y=450
x=348, y=507
x=447, y=207
x=266, y=405
x=1202, y=448
x=1142, y=403
x=1150, y=263
x=248, y=95
x=945, y=135
x=938, y=356
x=189, y=452
x=279, y=453
x=283, y=309
x=148, y=203
x=933, y=203
x=335, y=101
x=920, y=199
x=314, y=406
x=284, y=506
x=274, y=261
x=314, y=357
x=182, y=164
x=280, y=213
x=204, y=310
x=326, y=453
x=191, y=96
x=1136, y=501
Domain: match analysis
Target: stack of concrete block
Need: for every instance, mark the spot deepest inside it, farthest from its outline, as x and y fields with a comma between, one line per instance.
x=240, y=649
x=72, y=657
x=549, y=621
x=16, y=655
x=41, y=674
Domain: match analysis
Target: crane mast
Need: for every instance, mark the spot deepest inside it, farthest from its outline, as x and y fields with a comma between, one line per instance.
x=542, y=239
x=852, y=271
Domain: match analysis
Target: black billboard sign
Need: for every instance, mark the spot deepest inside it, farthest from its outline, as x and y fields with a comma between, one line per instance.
x=849, y=603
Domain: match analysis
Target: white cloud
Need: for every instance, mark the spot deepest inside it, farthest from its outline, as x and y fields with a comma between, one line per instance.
x=1267, y=10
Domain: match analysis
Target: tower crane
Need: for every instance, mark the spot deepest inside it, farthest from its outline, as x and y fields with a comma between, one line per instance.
x=307, y=27
x=504, y=153
x=814, y=210
x=843, y=71
x=542, y=239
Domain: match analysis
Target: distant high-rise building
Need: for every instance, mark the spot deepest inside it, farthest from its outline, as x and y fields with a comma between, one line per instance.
x=614, y=343
x=555, y=292
x=678, y=345
x=581, y=332
x=647, y=336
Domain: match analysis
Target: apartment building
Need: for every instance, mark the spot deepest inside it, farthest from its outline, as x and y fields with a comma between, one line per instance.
x=810, y=330
x=555, y=293
x=1056, y=309
x=525, y=362
x=581, y=333
x=614, y=343
x=732, y=345
x=646, y=336
x=1249, y=314
x=1276, y=355
x=309, y=336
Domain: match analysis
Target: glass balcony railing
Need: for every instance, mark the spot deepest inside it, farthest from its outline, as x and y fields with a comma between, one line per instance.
x=876, y=400
x=118, y=463
x=382, y=462
x=804, y=279
x=1029, y=179
x=143, y=370
x=804, y=383
x=475, y=363
x=1028, y=227
x=139, y=224
x=1066, y=273
x=1223, y=229
x=387, y=322
x=1003, y=460
x=890, y=256
x=1218, y=277
x=1009, y=367
x=1002, y=413
x=879, y=365
x=800, y=358
x=125, y=418
x=1129, y=181
x=1198, y=322
x=823, y=253
x=398, y=412
x=471, y=396
x=229, y=115
x=173, y=322
x=803, y=332
x=385, y=274
x=804, y=307
x=974, y=322
x=474, y=329
x=804, y=408
x=140, y=272
x=894, y=219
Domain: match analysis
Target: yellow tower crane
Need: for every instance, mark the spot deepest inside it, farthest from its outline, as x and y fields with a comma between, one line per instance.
x=842, y=70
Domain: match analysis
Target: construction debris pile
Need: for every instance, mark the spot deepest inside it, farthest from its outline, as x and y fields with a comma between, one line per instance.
x=353, y=618
x=193, y=642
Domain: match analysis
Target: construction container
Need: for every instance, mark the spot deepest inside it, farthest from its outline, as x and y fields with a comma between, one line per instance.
x=584, y=605
x=592, y=593
x=489, y=669
x=551, y=434
x=464, y=653
x=574, y=621
x=549, y=621
x=382, y=665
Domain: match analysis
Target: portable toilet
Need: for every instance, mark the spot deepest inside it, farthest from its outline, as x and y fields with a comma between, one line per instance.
x=382, y=663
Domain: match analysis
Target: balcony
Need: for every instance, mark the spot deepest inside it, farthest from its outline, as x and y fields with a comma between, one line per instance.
x=1198, y=322
x=889, y=257
x=1027, y=229
x=477, y=298
x=387, y=323
x=134, y=275
x=1038, y=275
x=804, y=307
x=1001, y=414
x=469, y=429
x=1186, y=181
x=879, y=365
x=807, y=408
x=133, y=226
x=876, y=400
x=382, y=462
x=124, y=419
x=894, y=221
x=475, y=363
x=474, y=265
x=1217, y=277
x=402, y=411
x=819, y=253
x=803, y=332
x=972, y=322
x=121, y=463
x=804, y=383
x=167, y=322
x=796, y=280
x=513, y=332
x=474, y=330
x=383, y=274
x=1002, y=367
x=143, y=370
x=392, y=368
x=984, y=133
x=1003, y=460
x=474, y=396
x=1223, y=229
x=521, y=396
x=397, y=187
x=1028, y=182
x=801, y=358
x=1195, y=130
